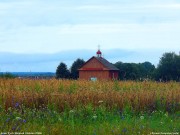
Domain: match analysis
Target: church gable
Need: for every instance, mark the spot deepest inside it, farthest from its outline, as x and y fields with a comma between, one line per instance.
x=93, y=64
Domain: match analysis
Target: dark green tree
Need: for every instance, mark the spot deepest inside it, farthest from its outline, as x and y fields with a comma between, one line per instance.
x=168, y=67
x=146, y=70
x=133, y=71
x=7, y=75
x=121, y=73
x=75, y=66
x=62, y=71
x=127, y=71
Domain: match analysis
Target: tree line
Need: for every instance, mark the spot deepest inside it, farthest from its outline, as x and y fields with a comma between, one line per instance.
x=6, y=75
x=167, y=69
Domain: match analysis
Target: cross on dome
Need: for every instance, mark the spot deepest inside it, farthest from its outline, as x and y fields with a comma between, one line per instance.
x=99, y=53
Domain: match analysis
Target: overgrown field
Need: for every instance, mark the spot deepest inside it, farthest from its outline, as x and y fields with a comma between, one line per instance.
x=88, y=108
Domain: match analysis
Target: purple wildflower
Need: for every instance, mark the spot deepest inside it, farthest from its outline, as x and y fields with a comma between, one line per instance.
x=8, y=119
x=17, y=104
x=14, y=128
x=124, y=130
x=24, y=121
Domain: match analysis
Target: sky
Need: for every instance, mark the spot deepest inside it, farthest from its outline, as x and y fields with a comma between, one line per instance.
x=36, y=35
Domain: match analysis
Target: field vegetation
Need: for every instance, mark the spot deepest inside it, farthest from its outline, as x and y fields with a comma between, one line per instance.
x=92, y=108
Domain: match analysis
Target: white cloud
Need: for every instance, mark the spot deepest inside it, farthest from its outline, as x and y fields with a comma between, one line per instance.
x=44, y=26
x=88, y=36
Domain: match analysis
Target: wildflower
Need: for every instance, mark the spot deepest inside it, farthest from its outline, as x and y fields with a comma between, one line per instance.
x=142, y=117
x=94, y=132
x=10, y=109
x=71, y=111
x=18, y=118
x=17, y=104
x=166, y=114
x=8, y=119
x=59, y=119
x=122, y=117
x=54, y=112
x=142, y=127
x=43, y=127
x=100, y=101
x=94, y=117
x=24, y=121
x=124, y=130
x=14, y=128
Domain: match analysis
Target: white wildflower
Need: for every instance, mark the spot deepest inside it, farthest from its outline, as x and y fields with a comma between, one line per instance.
x=95, y=116
x=166, y=114
x=100, y=101
x=59, y=119
x=71, y=111
x=18, y=118
x=141, y=117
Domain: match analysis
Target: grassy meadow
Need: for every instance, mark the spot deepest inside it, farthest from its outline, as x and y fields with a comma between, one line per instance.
x=69, y=107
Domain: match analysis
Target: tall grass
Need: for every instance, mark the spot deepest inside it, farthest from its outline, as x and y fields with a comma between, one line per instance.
x=69, y=107
x=63, y=94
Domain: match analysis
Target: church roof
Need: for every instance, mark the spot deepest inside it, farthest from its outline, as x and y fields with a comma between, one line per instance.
x=106, y=63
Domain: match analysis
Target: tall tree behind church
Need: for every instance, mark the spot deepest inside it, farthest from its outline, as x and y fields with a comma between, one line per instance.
x=75, y=66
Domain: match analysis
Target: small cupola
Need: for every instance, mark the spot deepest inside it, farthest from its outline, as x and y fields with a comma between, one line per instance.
x=98, y=53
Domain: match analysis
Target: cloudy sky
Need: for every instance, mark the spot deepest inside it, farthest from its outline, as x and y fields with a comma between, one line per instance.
x=36, y=35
